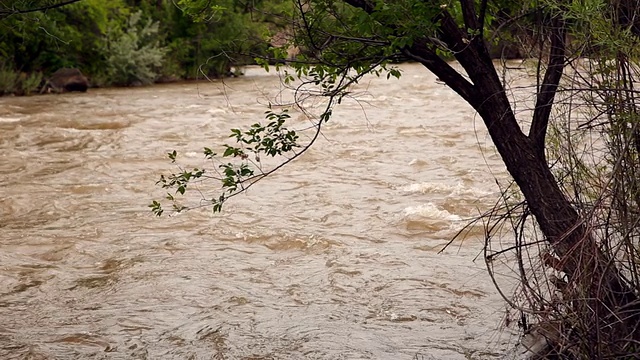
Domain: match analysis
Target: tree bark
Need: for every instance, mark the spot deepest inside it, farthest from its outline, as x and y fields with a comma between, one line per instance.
x=598, y=291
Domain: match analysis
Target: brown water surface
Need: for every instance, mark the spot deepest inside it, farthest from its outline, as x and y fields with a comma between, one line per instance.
x=335, y=257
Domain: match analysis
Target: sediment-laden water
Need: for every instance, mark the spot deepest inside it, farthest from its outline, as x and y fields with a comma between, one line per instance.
x=334, y=257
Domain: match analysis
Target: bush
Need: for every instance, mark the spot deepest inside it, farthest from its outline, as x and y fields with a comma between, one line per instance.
x=30, y=83
x=134, y=53
x=8, y=80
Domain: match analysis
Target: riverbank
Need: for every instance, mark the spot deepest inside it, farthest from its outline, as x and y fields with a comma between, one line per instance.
x=22, y=84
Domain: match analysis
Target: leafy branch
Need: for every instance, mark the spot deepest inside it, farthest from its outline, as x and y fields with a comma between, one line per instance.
x=238, y=166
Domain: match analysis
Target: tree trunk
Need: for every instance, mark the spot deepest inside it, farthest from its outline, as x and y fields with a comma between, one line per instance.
x=597, y=290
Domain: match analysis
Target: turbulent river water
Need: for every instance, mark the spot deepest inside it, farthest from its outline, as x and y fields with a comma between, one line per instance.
x=334, y=257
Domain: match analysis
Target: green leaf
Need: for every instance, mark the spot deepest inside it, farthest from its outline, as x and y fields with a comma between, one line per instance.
x=172, y=156
x=229, y=151
x=156, y=208
x=208, y=153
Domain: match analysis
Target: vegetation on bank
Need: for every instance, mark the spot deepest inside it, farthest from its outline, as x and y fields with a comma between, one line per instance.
x=128, y=42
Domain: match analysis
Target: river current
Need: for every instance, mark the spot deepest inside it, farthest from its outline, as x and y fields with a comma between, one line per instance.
x=336, y=256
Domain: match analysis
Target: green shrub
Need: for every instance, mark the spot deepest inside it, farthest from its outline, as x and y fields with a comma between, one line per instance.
x=134, y=53
x=30, y=83
x=8, y=80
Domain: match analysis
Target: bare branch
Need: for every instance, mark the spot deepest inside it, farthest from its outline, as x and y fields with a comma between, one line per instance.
x=16, y=11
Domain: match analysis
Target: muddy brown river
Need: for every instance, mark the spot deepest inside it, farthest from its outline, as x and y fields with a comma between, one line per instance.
x=334, y=257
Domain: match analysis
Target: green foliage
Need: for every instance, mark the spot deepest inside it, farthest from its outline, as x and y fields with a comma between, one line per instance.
x=271, y=139
x=70, y=36
x=30, y=82
x=8, y=80
x=332, y=72
x=124, y=41
x=134, y=54
x=218, y=37
x=237, y=168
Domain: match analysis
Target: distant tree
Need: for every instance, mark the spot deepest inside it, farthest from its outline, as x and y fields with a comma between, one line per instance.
x=41, y=36
x=45, y=36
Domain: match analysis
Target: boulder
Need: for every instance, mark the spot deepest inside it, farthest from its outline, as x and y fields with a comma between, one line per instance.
x=66, y=80
x=507, y=50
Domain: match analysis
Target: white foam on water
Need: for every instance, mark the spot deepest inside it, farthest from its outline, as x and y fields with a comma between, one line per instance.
x=427, y=187
x=430, y=211
x=217, y=111
x=458, y=189
x=9, y=120
x=192, y=154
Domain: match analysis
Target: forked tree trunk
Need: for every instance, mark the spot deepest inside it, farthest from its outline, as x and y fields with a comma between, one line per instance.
x=596, y=290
